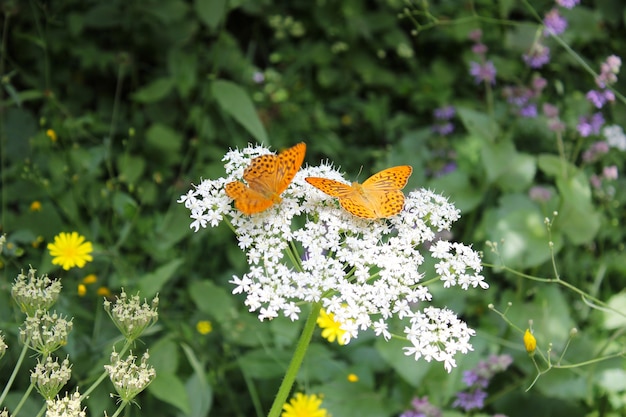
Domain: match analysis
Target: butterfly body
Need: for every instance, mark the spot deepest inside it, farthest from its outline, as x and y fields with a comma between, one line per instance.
x=379, y=196
x=267, y=177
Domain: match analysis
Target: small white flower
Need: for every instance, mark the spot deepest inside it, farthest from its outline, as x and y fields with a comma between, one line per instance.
x=367, y=273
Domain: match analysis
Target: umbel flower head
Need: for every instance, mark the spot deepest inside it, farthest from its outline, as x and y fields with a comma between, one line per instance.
x=69, y=250
x=45, y=332
x=366, y=273
x=130, y=316
x=33, y=294
x=49, y=376
x=128, y=378
x=68, y=406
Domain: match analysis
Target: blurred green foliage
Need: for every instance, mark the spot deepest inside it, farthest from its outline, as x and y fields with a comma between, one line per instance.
x=145, y=97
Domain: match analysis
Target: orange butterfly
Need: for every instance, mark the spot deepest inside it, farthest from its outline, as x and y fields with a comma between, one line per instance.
x=378, y=197
x=267, y=177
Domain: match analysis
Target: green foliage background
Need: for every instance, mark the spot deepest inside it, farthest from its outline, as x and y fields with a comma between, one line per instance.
x=145, y=98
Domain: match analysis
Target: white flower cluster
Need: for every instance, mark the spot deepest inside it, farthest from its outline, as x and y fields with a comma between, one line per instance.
x=49, y=376
x=69, y=406
x=615, y=137
x=45, y=332
x=130, y=316
x=129, y=378
x=365, y=272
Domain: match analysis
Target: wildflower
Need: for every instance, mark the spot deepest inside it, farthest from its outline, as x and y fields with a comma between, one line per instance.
x=3, y=346
x=258, y=77
x=204, y=327
x=600, y=97
x=4, y=413
x=38, y=240
x=550, y=110
x=568, y=4
x=608, y=71
x=615, y=137
x=103, y=292
x=442, y=116
x=422, y=408
x=530, y=343
x=128, y=378
x=596, y=181
x=537, y=56
x=483, y=72
x=35, y=206
x=555, y=24
x=331, y=329
x=50, y=376
x=444, y=113
x=590, y=125
x=595, y=150
x=477, y=379
x=475, y=35
x=81, y=290
x=304, y=406
x=480, y=49
x=610, y=172
x=540, y=193
x=69, y=406
x=353, y=377
x=69, y=250
x=130, y=316
x=33, y=294
x=52, y=135
x=45, y=332
x=364, y=272
x=90, y=279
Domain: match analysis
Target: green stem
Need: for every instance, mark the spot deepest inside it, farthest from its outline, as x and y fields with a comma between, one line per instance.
x=14, y=374
x=18, y=407
x=105, y=373
x=296, y=361
x=120, y=409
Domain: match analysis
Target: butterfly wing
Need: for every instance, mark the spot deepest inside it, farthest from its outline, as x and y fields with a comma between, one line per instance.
x=247, y=200
x=382, y=190
x=349, y=196
x=289, y=162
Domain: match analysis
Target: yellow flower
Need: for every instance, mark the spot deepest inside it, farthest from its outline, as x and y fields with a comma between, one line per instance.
x=353, y=378
x=52, y=135
x=204, y=327
x=304, y=406
x=35, y=205
x=530, y=342
x=331, y=329
x=69, y=250
x=90, y=279
x=104, y=292
x=82, y=290
x=35, y=243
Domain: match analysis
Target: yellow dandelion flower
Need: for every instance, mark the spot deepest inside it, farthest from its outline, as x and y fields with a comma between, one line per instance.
x=304, y=406
x=90, y=279
x=82, y=290
x=353, y=378
x=104, y=292
x=331, y=329
x=530, y=342
x=52, y=135
x=69, y=250
x=35, y=205
x=204, y=327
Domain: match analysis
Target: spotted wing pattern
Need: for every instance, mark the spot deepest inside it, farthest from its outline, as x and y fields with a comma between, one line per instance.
x=267, y=177
x=380, y=196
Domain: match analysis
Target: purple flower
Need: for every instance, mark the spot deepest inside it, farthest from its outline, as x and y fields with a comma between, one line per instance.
x=568, y=4
x=470, y=400
x=610, y=172
x=599, y=98
x=422, y=408
x=258, y=77
x=595, y=150
x=475, y=35
x=444, y=113
x=479, y=49
x=550, y=110
x=483, y=72
x=529, y=111
x=538, y=56
x=590, y=125
x=444, y=129
x=540, y=193
x=539, y=83
x=555, y=24
x=608, y=71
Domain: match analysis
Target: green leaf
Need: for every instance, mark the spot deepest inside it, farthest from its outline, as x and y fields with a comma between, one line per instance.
x=577, y=217
x=265, y=364
x=465, y=195
x=155, y=91
x=504, y=165
x=199, y=390
x=152, y=283
x=168, y=388
x=212, y=300
x=407, y=367
x=183, y=67
x=613, y=320
x=555, y=166
x=164, y=356
x=235, y=101
x=210, y=12
x=479, y=124
x=163, y=138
